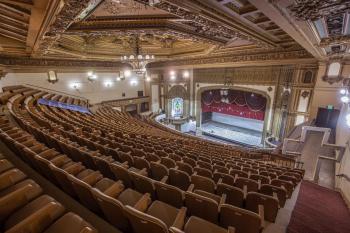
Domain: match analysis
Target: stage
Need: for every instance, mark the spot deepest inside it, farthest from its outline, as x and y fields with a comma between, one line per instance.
x=231, y=133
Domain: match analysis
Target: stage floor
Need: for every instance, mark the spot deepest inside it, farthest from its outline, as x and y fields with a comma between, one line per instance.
x=231, y=133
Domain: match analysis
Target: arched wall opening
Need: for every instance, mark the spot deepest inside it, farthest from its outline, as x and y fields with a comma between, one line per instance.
x=233, y=114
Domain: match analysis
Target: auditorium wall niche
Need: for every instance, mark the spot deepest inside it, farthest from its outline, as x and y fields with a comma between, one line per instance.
x=231, y=106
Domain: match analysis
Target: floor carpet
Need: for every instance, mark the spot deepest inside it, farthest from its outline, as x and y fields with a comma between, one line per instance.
x=319, y=210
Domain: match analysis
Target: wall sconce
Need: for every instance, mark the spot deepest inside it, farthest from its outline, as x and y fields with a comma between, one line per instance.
x=91, y=76
x=186, y=74
x=52, y=77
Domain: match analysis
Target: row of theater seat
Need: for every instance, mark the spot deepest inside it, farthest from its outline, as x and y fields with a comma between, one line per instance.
x=178, y=162
x=24, y=207
x=90, y=187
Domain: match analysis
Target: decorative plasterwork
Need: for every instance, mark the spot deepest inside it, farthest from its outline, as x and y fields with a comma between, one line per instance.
x=267, y=56
x=204, y=25
x=315, y=9
x=334, y=40
x=26, y=62
x=72, y=11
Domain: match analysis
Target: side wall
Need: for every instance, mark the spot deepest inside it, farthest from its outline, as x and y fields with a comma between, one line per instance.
x=105, y=88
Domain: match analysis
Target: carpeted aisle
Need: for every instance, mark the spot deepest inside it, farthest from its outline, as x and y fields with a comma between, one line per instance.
x=319, y=210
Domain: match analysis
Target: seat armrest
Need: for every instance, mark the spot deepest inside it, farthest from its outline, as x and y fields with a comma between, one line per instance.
x=245, y=191
x=75, y=168
x=40, y=220
x=93, y=178
x=10, y=177
x=190, y=188
x=179, y=221
x=87, y=230
x=143, y=172
x=262, y=215
x=143, y=203
x=175, y=230
x=222, y=199
x=164, y=180
x=115, y=189
x=220, y=181
x=231, y=229
x=125, y=164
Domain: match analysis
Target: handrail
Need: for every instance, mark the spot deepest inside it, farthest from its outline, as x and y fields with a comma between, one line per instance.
x=347, y=178
x=125, y=99
x=55, y=91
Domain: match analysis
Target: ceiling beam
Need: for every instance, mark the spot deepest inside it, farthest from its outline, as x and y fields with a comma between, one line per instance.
x=15, y=10
x=24, y=4
x=62, y=16
x=272, y=11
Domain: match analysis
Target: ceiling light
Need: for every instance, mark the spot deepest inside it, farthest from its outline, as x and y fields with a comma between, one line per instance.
x=173, y=77
x=108, y=83
x=148, y=79
x=186, y=74
x=345, y=99
x=172, y=73
x=127, y=73
x=90, y=73
x=118, y=79
x=343, y=91
x=133, y=82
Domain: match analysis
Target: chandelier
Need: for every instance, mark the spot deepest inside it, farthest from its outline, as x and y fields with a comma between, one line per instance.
x=137, y=60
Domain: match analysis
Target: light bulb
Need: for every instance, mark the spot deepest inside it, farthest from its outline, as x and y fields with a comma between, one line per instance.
x=172, y=73
x=342, y=91
x=186, y=74
x=345, y=99
x=172, y=77
x=90, y=73
x=148, y=79
x=127, y=73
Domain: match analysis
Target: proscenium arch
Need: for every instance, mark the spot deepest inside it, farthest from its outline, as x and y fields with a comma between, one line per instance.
x=198, y=101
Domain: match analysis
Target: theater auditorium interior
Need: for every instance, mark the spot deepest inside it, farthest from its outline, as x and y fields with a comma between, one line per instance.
x=174, y=116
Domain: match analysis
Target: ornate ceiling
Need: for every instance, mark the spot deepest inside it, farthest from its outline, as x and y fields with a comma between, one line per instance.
x=173, y=30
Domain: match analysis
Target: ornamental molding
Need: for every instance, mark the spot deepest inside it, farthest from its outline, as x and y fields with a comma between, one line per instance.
x=149, y=27
x=316, y=9
x=72, y=11
x=280, y=55
x=27, y=62
x=204, y=25
x=334, y=40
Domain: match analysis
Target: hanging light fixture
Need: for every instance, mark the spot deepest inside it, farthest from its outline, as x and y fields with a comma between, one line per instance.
x=137, y=60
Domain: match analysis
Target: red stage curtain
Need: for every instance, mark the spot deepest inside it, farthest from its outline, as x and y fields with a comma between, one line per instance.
x=235, y=103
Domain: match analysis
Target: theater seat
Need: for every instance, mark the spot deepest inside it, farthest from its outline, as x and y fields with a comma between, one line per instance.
x=5, y=165
x=158, y=218
x=270, y=204
x=158, y=171
x=169, y=194
x=70, y=223
x=234, y=195
x=244, y=221
x=11, y=177
x=203, y=183
x=38, y=214
x=195, y=225
x=179, y=179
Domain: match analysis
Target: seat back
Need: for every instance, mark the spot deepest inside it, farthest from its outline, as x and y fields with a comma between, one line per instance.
x=179, y=179
x=203, y=172
x=203, y=183
x=112, y=209
x=168, y=162
x=142, y=222
x=121, y=173
x=143, y=184
x=62, y=179
x=263, y=179
x=252, y=185
x=244, y=221
x=268, y=189
x=253, y=200
x=158, y=171
x=226, y=178
x=169, y=194
x=182, y=166
x=141, y=163
x=234, y=195
x=202, y=207
x=103, y=166
x=83, y=191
